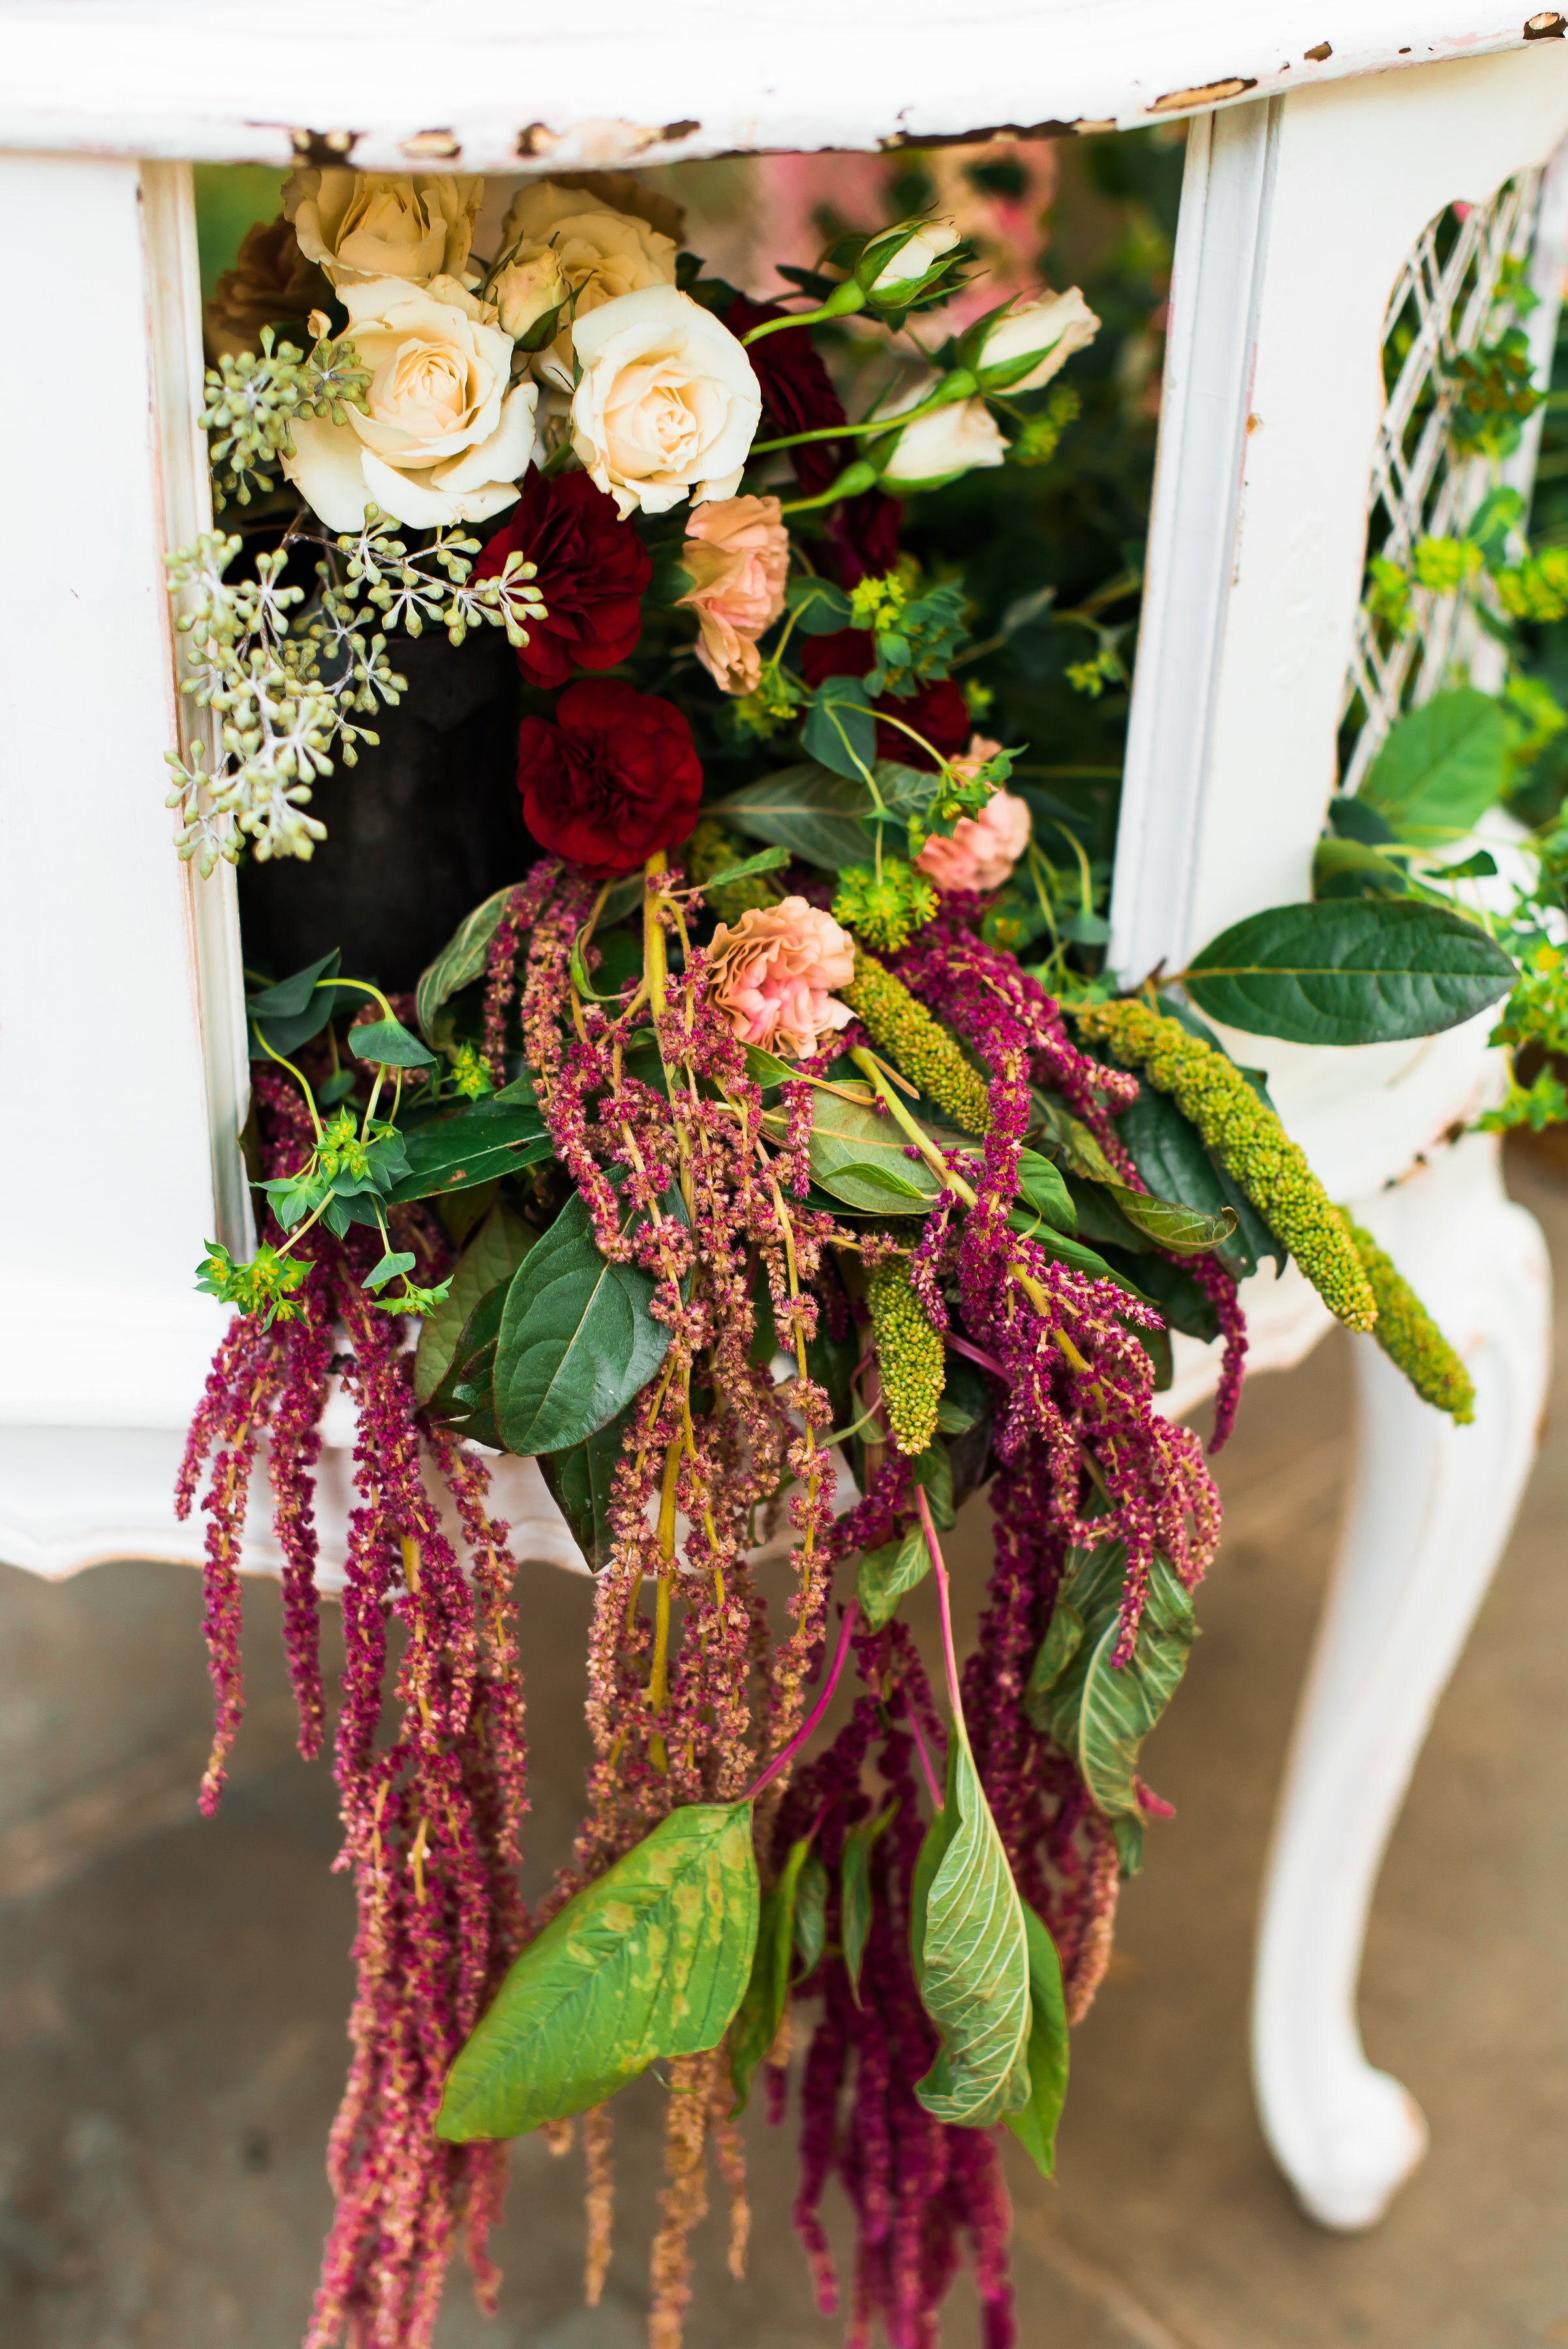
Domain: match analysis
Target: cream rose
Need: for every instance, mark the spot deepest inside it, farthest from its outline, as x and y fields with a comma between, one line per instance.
x=528, y=288
x=602, y=253
x=941, y=446
x=667, y=404
x=361, y=224
x=737, y=551
x=914, y=259
x=1048, y=331
x=445, y=439
x=984, y=848
x=772, y=976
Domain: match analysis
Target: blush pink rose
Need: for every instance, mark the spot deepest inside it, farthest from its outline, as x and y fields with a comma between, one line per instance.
x=737, y=551
x=772, y=975
x=984, y=848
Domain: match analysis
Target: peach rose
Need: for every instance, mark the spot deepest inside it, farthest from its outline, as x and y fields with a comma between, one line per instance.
x=984, y=848
x=737, y=551
x=773, y=973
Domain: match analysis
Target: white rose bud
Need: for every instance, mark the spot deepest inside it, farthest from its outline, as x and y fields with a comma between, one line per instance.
x=1023, y=349
x=912, y=260
x=529, y=288
x=938, y=448
x=668, y=402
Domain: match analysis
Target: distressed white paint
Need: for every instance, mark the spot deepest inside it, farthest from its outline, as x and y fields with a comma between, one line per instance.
x=480, y=87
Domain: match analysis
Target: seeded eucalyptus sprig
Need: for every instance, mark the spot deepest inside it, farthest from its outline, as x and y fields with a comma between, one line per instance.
x=252, y=400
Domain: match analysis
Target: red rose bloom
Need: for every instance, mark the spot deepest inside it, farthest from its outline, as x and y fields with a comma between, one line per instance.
x=616, y=776
x=592, y=570
x=939, y=710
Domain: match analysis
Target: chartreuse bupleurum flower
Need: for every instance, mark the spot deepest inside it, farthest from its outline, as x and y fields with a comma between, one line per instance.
x=266, y=1286
x=885, y=907
x=1250, y=1143
x=1409, y=1335
x=910, y=1357
x=918, y=1044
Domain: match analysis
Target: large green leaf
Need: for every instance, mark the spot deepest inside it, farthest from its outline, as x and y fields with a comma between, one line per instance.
x=473, y=1145
x=813, y=813
x=859, y=1158
x=1440, y=769
x=761, y=2009
x=1035, y=2123
x=460, y=960
x=577, y=1340
x=1355, y=970
x=651, y=1960
x=580, y=1478
x=840, y=730
x=1185, y=1231
x=492, y=1255
x=1168, y=1153
x=971, y=1959
x=884, y=1575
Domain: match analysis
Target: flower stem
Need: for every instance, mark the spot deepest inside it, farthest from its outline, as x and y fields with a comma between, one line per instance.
x=783, y=1759
x=949, y=1654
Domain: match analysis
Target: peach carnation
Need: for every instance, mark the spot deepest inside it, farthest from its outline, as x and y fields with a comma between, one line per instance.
x=984, y=848
x=773, y=973
x=737, y=551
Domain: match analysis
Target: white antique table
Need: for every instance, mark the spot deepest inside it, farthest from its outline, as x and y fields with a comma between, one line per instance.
x=1326, y=134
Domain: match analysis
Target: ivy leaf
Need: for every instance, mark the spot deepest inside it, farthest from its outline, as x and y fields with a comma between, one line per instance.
x=473, y=1145
x=820, y=608
x=814, y=814
x=971, y=1958
x=649, y=1961
x=389, y=1042
x=1440, y=769
x=493, y=1256
x=760, y=2011
x=854, y=1892
x=811, y=1915
x=1357, y=971
x=1035, y=2123
x=577, y=1340
x=461, y=960
x=884, y=1575
x=580, y=1477
x=840, y=730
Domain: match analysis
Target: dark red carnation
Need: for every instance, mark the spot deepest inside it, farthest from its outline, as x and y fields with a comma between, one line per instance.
x=616, y=776
x=863, y=537
x=797, y=392
x=939, y=711
x=592, y=569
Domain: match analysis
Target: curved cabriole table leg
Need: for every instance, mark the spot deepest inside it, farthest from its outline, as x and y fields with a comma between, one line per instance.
x=1429, y=1512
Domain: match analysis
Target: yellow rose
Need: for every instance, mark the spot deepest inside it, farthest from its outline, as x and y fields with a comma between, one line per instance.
x=444, y=440
x=668, y=405
x=602, y=253
x=361, y=224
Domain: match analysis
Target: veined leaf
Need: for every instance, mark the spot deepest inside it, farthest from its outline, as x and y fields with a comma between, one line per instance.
x=1042, y=1188
x=577, y=1340
x=472, y=1146
x=390, y=1044
x=1440, y=769
x=885, y=1574
x=460, y=960
x=1071, y=1252
x=1063, y=1638
x=761, y=2009
x=1035, y=2123
x=840, y=731
x=767, y=860
x=814, y=814
x=1354, y=970
x=492, y=1255
x=811, y=1914
x=1185, y=1231
x=820, y=608
x=972, y=1961
x=863, y=1173
x=580, y=1477
x=651, y=1960
x=847, y=1142
x=1168, y=1153
x=854, y=1892
x=1069, y=1140
x=766, y=1069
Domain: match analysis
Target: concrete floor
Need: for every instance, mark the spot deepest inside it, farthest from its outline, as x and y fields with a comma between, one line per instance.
x=172, y=1994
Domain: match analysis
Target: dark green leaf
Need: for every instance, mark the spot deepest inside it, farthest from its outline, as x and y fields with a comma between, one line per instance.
x=933, y=1470
x=1173, y=1290
x=1168, y=1153
x=388, y=1268
x=580, y=1478
x=840, y=731
x=811, y=1915
x=577, y=1340
x=885, y=1574
x=1364, y=970
x=493, y=1254
x=1073, y=1252
x=1069, y=1141
x=854, y=1892
x=760, y=2011
x=860, y=1173
x=814, y=814
x=765, y=1069
x=649, y=1961
x=1042, y=1188
x=1349, y=868
x=1063, y=1638
x=966, y=1398
x=1185, y=1231
x=820, y=608
x=473, y=1145
x=465, y=1397
x=1440, y=769
x=1100, y=1216
x=297, y=1008
x=389, y=1042
x=847, y=1141
x=767, y=860
x=972, y=1960
x=1035, y=2123
x=461, y=960
x=1352, y=819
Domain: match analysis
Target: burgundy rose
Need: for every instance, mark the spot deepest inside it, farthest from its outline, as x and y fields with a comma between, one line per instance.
x=592, y=570
x=616, y=776
x=797, y=392
x=863, y=537
x=939, y=710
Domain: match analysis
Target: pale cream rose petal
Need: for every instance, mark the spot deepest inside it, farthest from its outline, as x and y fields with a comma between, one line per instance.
x=420, y=507
x=326, y=470
x=505, y=456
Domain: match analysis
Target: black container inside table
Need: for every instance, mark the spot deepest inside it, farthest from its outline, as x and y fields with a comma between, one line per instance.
x=418, y=832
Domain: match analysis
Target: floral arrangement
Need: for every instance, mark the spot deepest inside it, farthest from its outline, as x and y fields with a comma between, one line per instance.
x=772, y=1156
